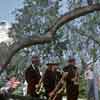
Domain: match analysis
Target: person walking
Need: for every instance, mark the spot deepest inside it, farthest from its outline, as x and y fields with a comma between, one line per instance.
x=89, y=76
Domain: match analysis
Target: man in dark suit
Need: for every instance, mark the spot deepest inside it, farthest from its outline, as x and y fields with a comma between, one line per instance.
x=72, y=80
x=71, y=77
x=51, y=78
x=32, y=76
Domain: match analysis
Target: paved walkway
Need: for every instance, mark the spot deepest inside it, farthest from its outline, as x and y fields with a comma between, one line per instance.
x=66, y=99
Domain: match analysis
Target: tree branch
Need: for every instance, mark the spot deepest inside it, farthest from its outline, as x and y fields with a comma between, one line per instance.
x=92, y=36
x=28, y=41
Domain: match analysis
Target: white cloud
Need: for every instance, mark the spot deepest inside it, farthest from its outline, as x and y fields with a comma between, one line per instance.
x=4, y=29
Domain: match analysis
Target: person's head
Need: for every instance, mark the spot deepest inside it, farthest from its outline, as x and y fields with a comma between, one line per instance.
x=52, y=66
x=35, y=59
x=72, y=61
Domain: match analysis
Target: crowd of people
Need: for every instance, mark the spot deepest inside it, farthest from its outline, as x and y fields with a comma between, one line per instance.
x=53, y=83
x=53, y=80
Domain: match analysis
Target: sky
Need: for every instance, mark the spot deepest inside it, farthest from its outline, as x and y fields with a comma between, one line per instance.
x=3, y=33
x=6, y=9
x=8, y=6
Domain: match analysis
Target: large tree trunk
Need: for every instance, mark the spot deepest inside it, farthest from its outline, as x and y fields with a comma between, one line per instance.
x=4, y=50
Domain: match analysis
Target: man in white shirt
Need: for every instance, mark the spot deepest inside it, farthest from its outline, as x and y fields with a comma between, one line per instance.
x=89, y=76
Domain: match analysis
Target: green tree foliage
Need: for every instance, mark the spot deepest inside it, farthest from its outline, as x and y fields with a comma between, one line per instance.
x=74, y=38
x=34, y=17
